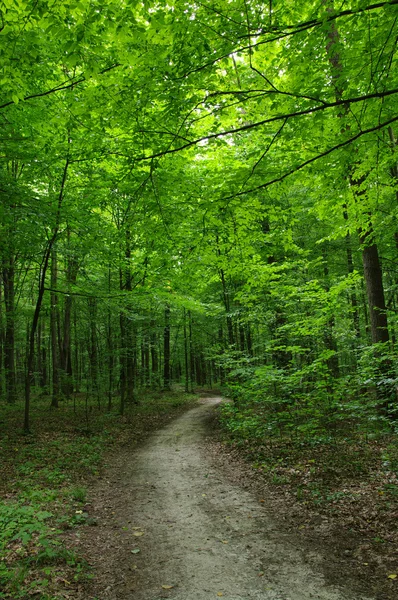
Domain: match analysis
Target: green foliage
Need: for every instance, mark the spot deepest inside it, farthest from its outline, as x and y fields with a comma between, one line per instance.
x=231, y=165
x=42, y=504
x=79, y=494
x=20, y=522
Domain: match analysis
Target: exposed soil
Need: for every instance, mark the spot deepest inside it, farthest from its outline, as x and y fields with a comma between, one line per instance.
x=172, y=522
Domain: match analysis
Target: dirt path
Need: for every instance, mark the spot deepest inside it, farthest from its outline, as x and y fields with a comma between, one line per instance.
x=170, y=518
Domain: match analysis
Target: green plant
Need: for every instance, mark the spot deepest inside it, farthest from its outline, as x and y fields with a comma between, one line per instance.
x=79, y=494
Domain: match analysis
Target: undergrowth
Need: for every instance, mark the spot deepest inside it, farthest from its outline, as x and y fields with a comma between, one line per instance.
x=326, y=447
x=43, y=484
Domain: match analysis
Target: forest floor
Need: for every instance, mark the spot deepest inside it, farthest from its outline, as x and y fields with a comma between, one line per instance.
x=182, y=517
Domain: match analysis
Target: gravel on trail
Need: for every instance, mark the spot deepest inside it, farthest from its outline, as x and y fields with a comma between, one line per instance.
x=172, y=525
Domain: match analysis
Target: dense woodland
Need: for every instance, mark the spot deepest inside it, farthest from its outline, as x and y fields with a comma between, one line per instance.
x=196, y=194
x=201, y=192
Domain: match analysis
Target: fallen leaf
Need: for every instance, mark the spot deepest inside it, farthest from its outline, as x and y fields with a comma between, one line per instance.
x=138, y=533
x=220, y=594
x=262, y=500
x=167, y=587
x=392, y=576
x=135, y=551
x=261, y=574
x=224, y=541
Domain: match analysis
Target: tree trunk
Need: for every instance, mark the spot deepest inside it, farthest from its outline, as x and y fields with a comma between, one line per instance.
x=154, y=355
x=191, y=352
x=53, y=327
x=110, y=347
x=93, y=351
x=9, y=344
x=186, y=367
x=350, y=269
x=166, y=348
x=41, y=354
x=42, y=281
x=66, y=348
x=374, y=288
x=1, y=342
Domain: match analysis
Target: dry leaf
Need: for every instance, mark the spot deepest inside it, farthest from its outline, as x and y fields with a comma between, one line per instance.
x=167, y=587
x=138, y=533
x=220, y=594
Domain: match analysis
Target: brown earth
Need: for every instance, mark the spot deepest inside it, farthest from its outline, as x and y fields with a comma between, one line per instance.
x=179, y=518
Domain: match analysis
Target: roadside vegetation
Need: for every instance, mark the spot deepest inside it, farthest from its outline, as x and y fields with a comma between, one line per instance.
x=326, y=451
x=196, y=194
x=44, y=483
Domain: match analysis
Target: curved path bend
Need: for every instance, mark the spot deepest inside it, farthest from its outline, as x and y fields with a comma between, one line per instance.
x=174, y=527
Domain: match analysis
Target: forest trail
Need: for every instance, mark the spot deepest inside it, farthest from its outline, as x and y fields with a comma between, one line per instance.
x=169, y=517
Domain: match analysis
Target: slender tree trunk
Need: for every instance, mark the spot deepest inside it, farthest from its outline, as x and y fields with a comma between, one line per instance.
x=166, y=349
x=93, y=350
x=1, y=341
x=154, y=355
x=42, y=280
x=221, y=344
x=76, y=366
x=225, y=295
x=145, y=359
x=337, y=70
x=123, y=362
x=53, y=327
x=329, y=339
x=42, y=354
x=350, y=268
x=191, y=352
x=374, y=289
x=130, y=364
x=9, y=345
x=110, y=349
x=186, y=353
x=249, y=340
x=66, y=352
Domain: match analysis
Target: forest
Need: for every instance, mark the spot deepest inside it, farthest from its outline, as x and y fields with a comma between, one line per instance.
x=195, y=195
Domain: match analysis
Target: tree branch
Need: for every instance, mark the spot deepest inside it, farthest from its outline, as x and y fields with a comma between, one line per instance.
x=314, y=159
x=283, y=117
x=61, y=86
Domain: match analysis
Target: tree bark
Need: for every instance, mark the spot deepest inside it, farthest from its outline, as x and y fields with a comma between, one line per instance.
x=42, y=281
x=9, y=343
x=53, y=326
x=186, y=364
x=166, y=349
x=374, y=288
x=66, y=347
x=154, y=355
